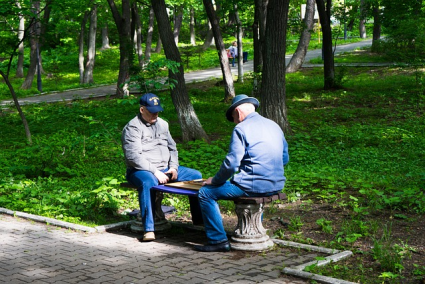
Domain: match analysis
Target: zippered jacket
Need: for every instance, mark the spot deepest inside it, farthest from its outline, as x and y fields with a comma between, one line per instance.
x=149, y=147
x=257, y=154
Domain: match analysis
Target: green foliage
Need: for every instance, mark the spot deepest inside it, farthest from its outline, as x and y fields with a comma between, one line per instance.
x=361, y=148
x=150, y=78
x=404, y=25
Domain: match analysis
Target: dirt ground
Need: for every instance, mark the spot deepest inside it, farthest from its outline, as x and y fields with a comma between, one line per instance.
x=407, y=233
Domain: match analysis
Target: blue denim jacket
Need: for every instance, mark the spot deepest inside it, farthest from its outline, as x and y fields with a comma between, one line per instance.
x=256, y=158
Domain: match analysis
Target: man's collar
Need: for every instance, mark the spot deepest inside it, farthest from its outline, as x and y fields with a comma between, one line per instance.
x=146, y=122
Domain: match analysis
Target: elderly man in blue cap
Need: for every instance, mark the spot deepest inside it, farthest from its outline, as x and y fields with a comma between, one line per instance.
x=151, y=158
x=255, y=162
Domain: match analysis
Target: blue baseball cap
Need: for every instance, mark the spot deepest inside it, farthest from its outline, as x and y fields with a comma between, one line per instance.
x=238, y=100
x=151, y=102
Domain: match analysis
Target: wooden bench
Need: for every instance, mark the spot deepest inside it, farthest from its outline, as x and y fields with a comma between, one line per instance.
x=249, y=233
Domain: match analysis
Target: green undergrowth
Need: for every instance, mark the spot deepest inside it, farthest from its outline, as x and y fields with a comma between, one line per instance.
x=365, y=141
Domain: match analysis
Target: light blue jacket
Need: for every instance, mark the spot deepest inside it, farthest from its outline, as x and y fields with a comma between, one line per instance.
x=257, y=155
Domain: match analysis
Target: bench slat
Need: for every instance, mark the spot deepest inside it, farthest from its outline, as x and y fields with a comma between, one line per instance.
x=247, y=200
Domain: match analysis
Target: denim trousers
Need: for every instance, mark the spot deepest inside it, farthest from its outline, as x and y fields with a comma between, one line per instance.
x=208, y=197
x=144, y=181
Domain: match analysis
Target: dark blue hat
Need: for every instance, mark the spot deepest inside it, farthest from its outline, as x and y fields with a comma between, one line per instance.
x=238, y=100
x=151, y=102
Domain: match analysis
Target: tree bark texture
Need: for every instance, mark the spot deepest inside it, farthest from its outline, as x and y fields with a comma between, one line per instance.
x=298, y=57
x=190, y=125
x=240, y=45
x=105, y=38
x=136, y=19
x=273, y=92
x=362, y=29
x=178, y=17
x=20, y=64
x=18, y=107
x=148, y=43
x=192, y=27
x=122, y=21
x=209, y=40
x=377, y=27
x=34, y=41
x=159, y=45
x=258, y=42
x=327, y=43
x=220, y=46
x=81, y=46
x=91, y=46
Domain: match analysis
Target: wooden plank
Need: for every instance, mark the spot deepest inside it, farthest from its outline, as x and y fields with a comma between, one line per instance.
x=192, y=184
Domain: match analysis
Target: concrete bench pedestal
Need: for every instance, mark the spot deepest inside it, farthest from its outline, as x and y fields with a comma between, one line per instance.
x=249, y=234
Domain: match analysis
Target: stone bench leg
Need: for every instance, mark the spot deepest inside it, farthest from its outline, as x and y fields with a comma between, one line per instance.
x=160, y=221
x=249, y=234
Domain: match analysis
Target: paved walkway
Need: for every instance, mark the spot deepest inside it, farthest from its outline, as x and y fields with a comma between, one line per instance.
x=32, y=252
x=196, y=76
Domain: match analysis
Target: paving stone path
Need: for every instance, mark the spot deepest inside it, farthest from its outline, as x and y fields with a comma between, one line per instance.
x=32, y=252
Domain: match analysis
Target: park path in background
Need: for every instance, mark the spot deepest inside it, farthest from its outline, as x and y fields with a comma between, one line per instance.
x=191, y=77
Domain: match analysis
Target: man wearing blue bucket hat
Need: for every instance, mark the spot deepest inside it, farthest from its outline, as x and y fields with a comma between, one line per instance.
x=258, y=152
x=151, y=158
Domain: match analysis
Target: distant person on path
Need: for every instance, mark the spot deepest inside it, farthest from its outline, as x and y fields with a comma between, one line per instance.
x=233, y=53
x=255, y=162
x=151, y=158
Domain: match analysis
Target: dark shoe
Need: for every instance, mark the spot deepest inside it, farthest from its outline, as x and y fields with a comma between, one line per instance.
x=221, y=247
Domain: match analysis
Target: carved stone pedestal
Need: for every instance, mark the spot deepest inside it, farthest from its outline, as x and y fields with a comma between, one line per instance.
x=160, y=222
x=250, y=235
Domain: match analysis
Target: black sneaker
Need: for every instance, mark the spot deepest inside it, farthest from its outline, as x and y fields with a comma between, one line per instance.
x=220, y=247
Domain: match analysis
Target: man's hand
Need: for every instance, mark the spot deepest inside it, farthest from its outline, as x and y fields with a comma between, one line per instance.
x=162, y=178
x=208, y=181
x=173, y=172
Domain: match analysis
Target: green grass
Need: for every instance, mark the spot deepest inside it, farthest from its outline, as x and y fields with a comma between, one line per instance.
x=356, y=56
x=366, y=140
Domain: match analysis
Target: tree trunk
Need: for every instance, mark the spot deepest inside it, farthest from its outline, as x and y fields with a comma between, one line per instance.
x=192, y=27
x=223, y=57
x=273, y=93
x=105, y=39
x=258, y=41
x=123, y=26
x=159, y=44
x=18, y=107
x=20, y=64
x=34, y=40
x=377, y=27
x=362, y=30
x=178, y=17
x=138, y=33
x=298, y=57
x=190, y=125
x=209, y=40
x=91, y=46
x=81, y=46
x=148, y=44
x=240, y=45
x=327, y=43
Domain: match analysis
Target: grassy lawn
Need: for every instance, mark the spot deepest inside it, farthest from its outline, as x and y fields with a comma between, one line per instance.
x=355, y=177
x=356, y=56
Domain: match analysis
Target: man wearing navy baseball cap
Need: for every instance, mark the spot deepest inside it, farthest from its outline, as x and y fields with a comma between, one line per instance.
x=254, y=166
x=151, y=157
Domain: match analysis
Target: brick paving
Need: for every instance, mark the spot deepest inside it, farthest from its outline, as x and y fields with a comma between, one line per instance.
x=33, y=252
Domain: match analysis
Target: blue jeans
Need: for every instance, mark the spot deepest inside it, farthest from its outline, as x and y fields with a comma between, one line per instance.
x=144, y=180
x=208, y=196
